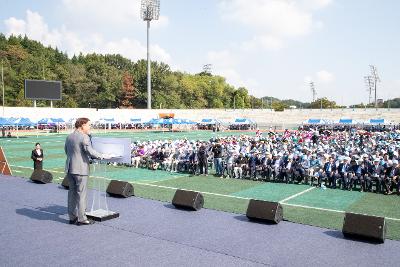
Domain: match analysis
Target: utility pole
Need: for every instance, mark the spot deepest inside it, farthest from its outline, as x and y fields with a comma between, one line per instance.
x=376, y=79
x=313, y=91
x=207, y=68
x=369, y=83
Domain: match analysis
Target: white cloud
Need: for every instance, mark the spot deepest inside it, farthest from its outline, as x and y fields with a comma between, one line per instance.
x=308, y=79
x=266, y=42
x=222, y=58
x=273, y=21
x=321, y=77
x=118, y=14
x=324, y=76
x=226, y=64
x=72, y=42
x=16, y=26
x=34, y=27
x=316, y=4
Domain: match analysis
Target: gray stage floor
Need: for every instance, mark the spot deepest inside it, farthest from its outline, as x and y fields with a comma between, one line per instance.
x=34, y=231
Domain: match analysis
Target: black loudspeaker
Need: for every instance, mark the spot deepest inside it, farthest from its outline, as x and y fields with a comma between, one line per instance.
x=364, y=226
x=189, y=200
x=260, y=210
x=65, y=183
x=41, y=176
x=120, y=189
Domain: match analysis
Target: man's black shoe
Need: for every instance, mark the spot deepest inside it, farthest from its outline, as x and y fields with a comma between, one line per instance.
x=86, y=222
x=73, y=221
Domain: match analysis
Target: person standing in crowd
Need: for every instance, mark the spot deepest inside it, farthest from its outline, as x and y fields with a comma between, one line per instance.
x=79, y=151
x=217, y=150
x=37, y=157
x=203, y=159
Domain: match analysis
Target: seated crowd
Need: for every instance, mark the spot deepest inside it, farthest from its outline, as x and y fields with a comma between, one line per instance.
x=350, y=160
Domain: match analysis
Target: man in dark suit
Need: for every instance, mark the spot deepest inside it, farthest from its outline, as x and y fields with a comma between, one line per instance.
x=37, y=157
x=344, y=173
x=329, y=171
x=79, y=152
x=203, y=159
x=392, y=173
x=376, y=173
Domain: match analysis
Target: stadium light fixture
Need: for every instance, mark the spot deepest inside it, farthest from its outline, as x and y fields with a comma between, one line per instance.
x=150, y=10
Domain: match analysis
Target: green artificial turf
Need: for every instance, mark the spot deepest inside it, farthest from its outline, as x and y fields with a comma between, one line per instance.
x=322, y=208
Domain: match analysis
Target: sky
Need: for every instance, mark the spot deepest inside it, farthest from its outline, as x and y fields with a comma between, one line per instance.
x=271, y=47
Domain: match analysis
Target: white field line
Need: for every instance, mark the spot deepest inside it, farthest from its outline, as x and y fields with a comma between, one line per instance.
x=45, y=142
x=230, y=196
x=298, y=194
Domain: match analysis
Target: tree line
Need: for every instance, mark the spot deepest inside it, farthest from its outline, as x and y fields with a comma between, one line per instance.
x=113, y=81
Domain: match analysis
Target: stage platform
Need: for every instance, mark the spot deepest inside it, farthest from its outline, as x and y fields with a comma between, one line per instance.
x=34, y=231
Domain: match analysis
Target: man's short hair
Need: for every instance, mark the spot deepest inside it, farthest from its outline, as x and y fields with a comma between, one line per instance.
x=81, y=121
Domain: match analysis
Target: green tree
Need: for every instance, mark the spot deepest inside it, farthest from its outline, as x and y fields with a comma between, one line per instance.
x=279, y=106
x=127, y=91
x=323, y=103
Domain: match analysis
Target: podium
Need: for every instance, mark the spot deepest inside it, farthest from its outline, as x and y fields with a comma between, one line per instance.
x=105, y=145
x=99, y=210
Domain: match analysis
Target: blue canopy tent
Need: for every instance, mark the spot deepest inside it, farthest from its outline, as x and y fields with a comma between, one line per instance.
x=346, y=121
x=209, y=121
x=59, y=120
x=242, y=124
x=243, y=121
x=4, y=121
x=171, y=121
x=48, y=121
x=314, y=121
x=377, y=121
x=179, y=123
x=23, y=122
x=187, y=121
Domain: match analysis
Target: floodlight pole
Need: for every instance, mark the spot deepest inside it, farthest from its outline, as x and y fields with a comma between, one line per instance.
x=150, y=10
x=148, y=67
